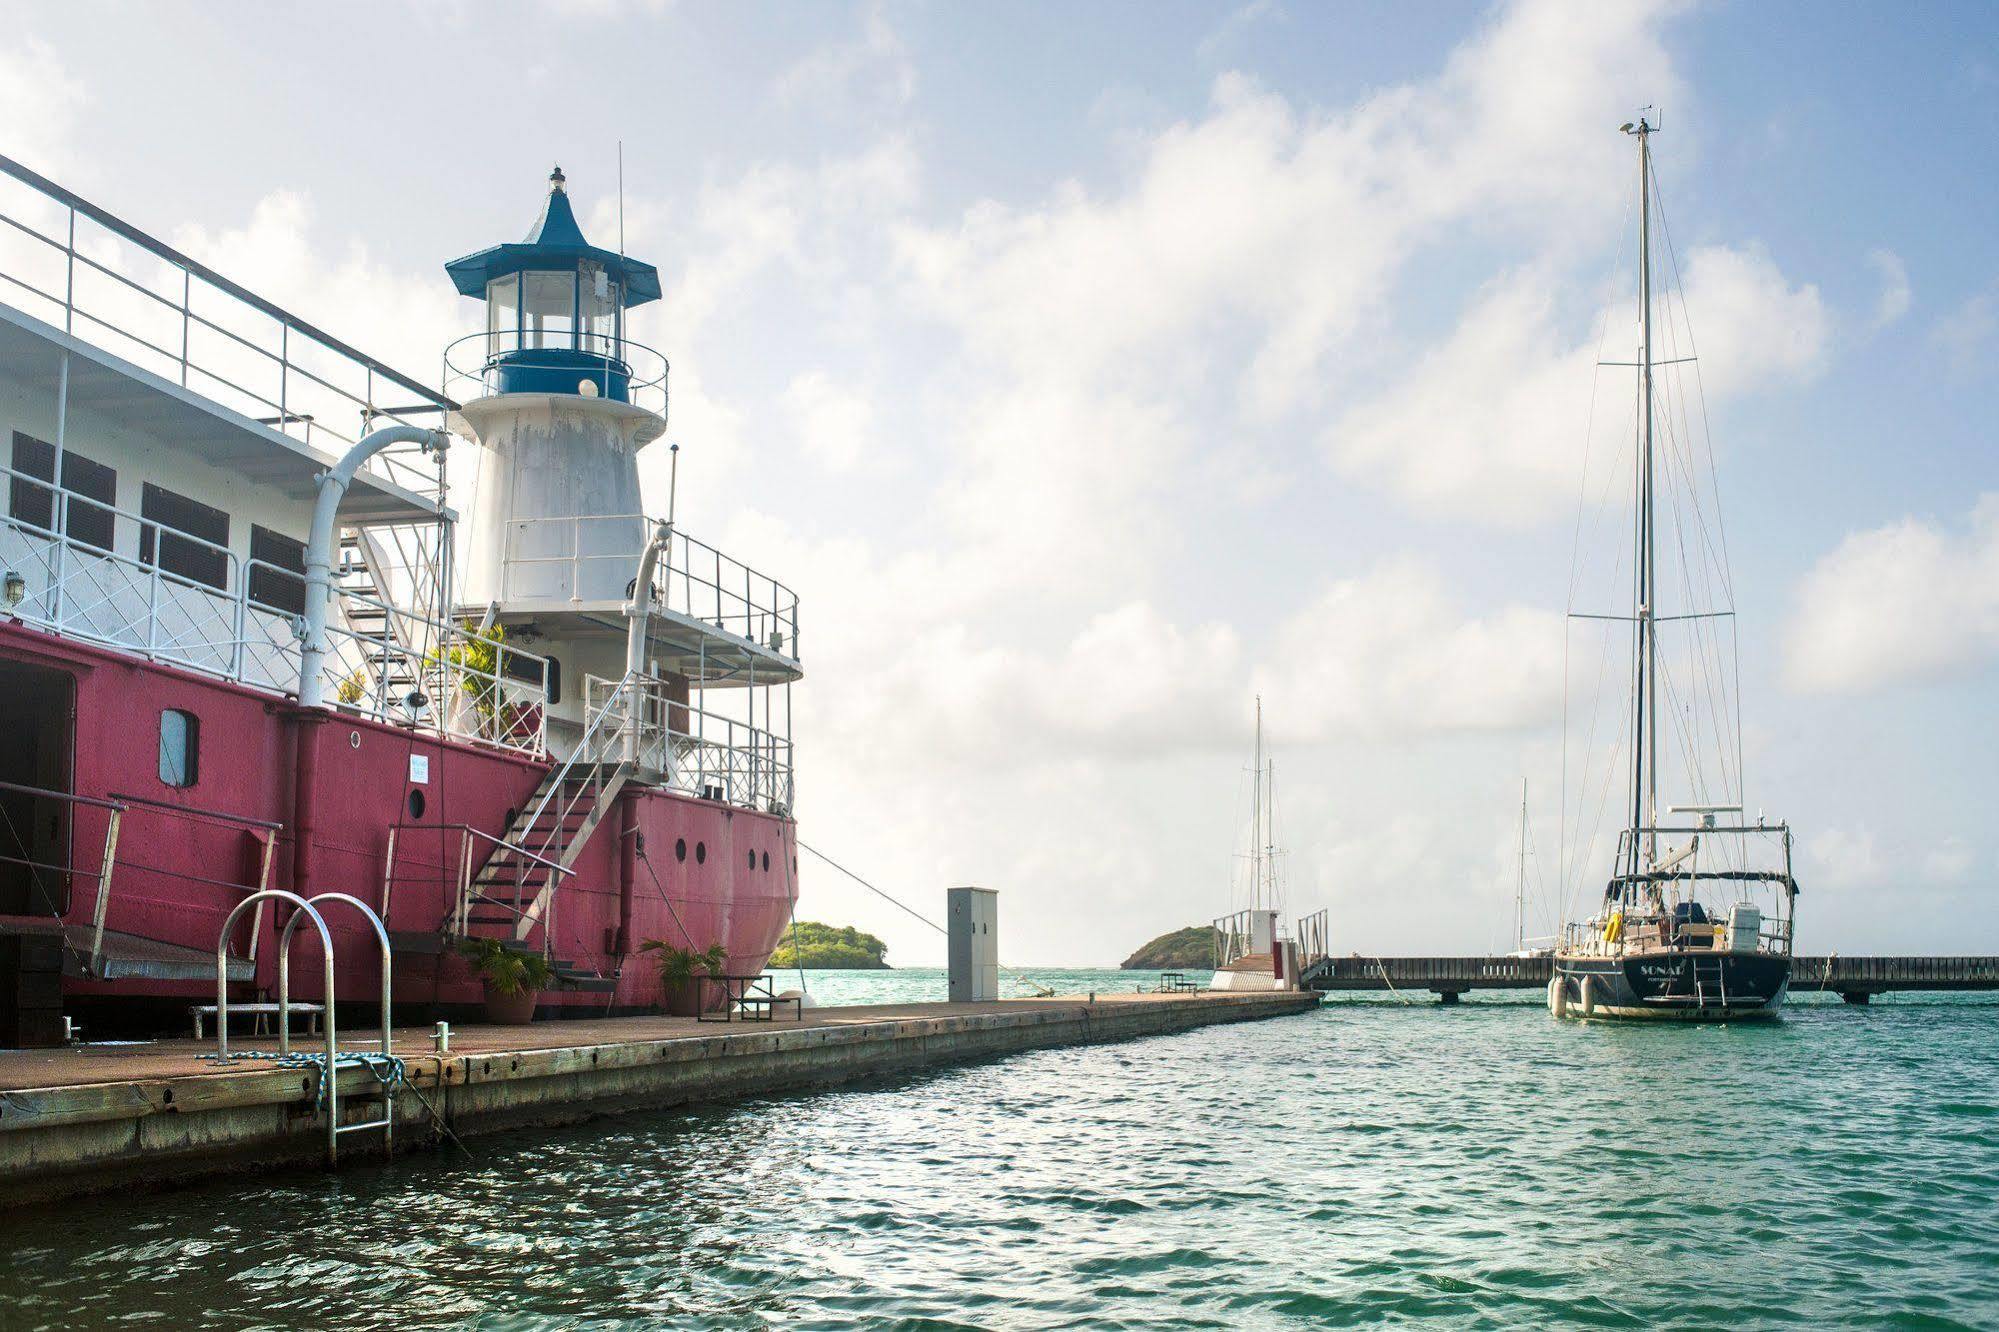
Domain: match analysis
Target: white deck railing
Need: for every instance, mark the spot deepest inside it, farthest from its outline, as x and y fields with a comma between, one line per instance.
x=101, y=279
x=381, y=654
x=593, y=558
x=688, y=748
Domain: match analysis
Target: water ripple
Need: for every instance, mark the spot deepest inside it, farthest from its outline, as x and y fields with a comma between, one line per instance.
x=1481, y=1166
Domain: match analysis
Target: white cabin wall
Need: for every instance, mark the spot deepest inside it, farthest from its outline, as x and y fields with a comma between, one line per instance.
x=139, y=457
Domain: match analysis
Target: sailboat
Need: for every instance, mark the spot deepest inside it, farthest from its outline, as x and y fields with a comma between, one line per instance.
x=1542, y=946
x=1687, y=926
x=1252, y=951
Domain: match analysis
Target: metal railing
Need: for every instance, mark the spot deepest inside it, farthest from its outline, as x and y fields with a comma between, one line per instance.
x=105, y=281
x=454, y=871
x=478, y=688
x=591, y=558
x=585, y=782
x=1312, y=932
x=688, y=748
x=329, y=1060
x=474, y=365
x=114, y=813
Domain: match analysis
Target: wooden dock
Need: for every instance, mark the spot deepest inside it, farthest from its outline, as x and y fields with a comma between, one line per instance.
x=87, y=1119
x=1855, y=979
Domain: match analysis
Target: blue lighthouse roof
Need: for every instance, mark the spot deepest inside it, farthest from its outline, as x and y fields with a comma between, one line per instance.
x=555, y=242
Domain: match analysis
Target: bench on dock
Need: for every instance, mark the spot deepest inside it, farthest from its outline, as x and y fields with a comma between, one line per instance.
x=752, y=995
x=262, y=1012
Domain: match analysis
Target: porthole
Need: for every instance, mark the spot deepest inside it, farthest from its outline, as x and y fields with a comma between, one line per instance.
x=416, y=803
x=680, y=849
x=353, y=739
x=753, y=860
x=700, y=853
x=766, y=862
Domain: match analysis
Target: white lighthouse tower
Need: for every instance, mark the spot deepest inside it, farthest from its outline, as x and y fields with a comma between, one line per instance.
x=559, y=552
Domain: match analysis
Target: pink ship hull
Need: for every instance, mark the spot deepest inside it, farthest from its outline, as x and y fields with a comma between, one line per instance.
x=336, y=786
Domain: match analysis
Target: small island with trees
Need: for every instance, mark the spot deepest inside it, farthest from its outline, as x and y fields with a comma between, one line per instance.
x=1191, y=949
x=822, y=947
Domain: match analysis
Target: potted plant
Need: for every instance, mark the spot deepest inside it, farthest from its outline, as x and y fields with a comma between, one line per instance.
x=680, y=993
x=513, y=980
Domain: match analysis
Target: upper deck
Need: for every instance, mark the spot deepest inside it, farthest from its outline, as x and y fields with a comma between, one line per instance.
x=163, y=346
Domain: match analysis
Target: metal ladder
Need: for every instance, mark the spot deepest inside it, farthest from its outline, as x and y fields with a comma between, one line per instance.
x=1713, y=973
x=329, y=1060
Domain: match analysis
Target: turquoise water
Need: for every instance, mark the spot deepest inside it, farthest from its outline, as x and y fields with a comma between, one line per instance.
x=1373, y=1162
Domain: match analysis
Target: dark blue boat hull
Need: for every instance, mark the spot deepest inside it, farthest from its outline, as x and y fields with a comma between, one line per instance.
x=1703, y=986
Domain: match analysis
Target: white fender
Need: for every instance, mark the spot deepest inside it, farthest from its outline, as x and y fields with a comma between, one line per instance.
x=1589, y=996
x=1558, y=998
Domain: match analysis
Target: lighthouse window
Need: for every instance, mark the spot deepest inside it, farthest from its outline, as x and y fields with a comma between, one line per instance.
x=599, y=308
x=200, y=560
x=503, y=304
x=180, y=747
x=550, y=308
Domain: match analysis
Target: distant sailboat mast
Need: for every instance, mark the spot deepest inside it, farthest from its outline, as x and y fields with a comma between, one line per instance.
x=1520, y=882
x=1256, y=848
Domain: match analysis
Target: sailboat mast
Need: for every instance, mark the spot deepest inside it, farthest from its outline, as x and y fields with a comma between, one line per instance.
x=1256, y=818
x=1520, y=883
x=1645, y=727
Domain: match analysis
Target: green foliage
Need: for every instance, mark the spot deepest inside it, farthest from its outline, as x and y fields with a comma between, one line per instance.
x=477, y=657
x=830, y=947
x=505, y=971
x=1191, y=949
x=677, y=965
x=353, y=688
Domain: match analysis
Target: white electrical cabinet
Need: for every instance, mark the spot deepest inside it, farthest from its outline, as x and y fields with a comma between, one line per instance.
x=973, y=939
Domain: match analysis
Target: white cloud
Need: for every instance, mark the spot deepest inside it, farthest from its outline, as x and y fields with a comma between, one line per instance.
x=834, y=421
x=39, y=100
x=1230, y=30
x=1966, y=332
x=1490, y=424
x=1390, y=654
x=1895, y=296
x=401, y=317
x=1949, y=861
x=1906, y=602
x=872, y=70
x=1842, y=858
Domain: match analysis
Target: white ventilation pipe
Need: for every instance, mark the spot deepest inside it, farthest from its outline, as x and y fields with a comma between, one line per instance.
x=639, y=608
x=333, y=485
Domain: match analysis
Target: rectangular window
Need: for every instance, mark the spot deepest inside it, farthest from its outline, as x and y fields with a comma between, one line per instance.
x=519, y=666
x=180, y=518
x=598, y=308
x=86, y=479
x=281, y=588
x=550, y=302
x=503, y=299
x=180, y=747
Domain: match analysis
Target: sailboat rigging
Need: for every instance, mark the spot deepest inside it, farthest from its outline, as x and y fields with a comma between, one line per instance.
x=1677, y=932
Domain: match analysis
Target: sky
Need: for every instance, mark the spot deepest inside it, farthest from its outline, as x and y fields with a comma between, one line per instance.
x=1092, y=369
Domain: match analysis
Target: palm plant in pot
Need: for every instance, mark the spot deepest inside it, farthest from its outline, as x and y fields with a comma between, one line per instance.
x=513, y=981
x=680, y=992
